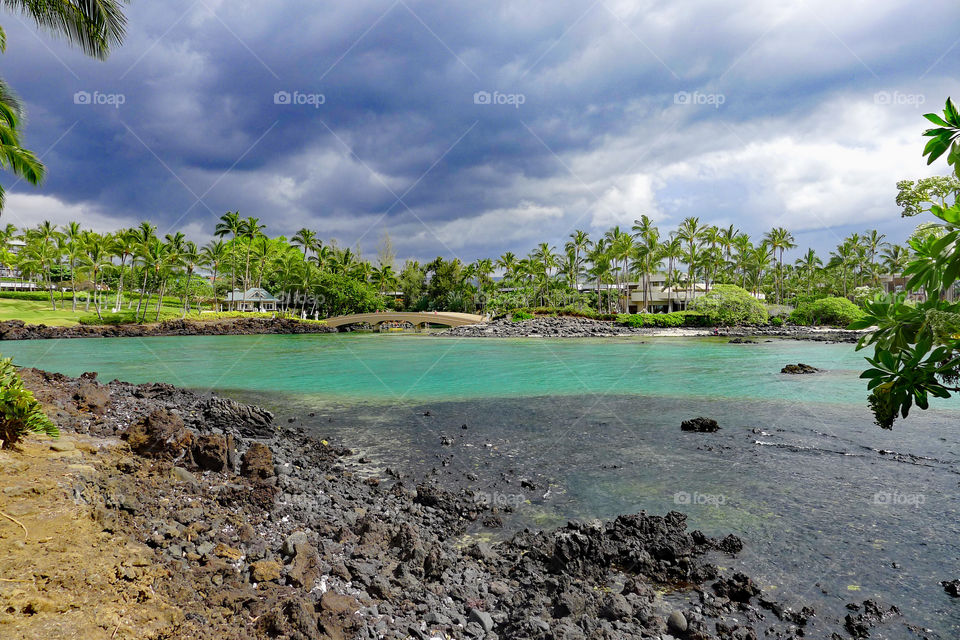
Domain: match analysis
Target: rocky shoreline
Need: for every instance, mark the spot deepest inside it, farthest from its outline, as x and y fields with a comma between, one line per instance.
x=18, y=330
x=262, y=531
x=575, y=327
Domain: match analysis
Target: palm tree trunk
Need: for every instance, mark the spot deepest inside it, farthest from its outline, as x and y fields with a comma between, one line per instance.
x=163, y=285
x=53, y=301
x=143, y=289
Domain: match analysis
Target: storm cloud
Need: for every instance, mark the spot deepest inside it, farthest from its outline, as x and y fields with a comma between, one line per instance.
x=468, y=129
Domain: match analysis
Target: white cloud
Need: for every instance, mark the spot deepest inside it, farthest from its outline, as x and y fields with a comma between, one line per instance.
x=27, y=210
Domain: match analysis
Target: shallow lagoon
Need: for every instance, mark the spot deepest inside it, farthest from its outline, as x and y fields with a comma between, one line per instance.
x=831, y=507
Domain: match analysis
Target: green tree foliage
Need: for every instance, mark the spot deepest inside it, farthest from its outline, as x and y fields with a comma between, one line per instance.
x=837, y=312
x=20, y=412
x=728, y=304
x=664, y=320
x=916, y=348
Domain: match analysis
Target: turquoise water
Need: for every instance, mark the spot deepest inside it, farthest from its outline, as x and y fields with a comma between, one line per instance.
x=375, y=368
x=832, y=509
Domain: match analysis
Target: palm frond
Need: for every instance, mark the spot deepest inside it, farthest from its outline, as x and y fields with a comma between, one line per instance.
x=93, y=25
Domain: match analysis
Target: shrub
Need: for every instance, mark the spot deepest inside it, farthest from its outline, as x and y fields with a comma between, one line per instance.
x=520, y=315
x=838, y=312
x=27, y=295
x=20, y=413
x=663, y=320
x=776, y=321
x=728, y=304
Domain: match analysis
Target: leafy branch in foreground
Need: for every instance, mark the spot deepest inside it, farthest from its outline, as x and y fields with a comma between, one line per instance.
x=917, y=347
x=20, y=412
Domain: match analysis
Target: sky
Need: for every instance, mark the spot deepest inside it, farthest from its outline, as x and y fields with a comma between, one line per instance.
x=470, y=129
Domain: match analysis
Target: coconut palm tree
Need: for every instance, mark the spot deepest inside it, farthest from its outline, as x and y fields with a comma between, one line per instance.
x=507, y=262
x=779, y=240
x=143, y=238
x=95, y=259
x=808, y=265
x=251, y=229
x=895, y=258
x=307, y=240
x=691, y=231
x=93, y=26
x=214, y=254
x=190, y=258
x=230, y=223
x=46, y=234
x=579, y=243
x=122, y=247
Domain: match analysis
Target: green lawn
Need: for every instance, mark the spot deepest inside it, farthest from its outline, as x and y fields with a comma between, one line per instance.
x=37, y=312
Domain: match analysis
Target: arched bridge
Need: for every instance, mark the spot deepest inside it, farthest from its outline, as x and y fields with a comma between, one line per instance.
x=416, y=318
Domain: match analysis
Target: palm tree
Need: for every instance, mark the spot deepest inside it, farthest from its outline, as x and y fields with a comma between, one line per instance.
x=213, y=254
x=579, y=243
x=873, y=242
x=895, y=258
x=843, y=257
x=743, y=248
x=123, y=247
x=672, y=251
x=808, y=265
x=620, y=249
x=779, y=240
x=306, y=239
x=691, y=232
x=96, y=258
x=383, y=277
x=230, y=223
x=649, y=252
x=507, y=262
x=92, y=26
x=251, y=229
x=46, y=234
x=191, y=258
x=143, y=239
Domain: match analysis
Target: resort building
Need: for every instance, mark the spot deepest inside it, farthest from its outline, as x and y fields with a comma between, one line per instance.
x=14, y=247
x=253, y=299
x=660, y=298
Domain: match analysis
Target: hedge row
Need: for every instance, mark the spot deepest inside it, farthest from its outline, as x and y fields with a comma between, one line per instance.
x=662, y=320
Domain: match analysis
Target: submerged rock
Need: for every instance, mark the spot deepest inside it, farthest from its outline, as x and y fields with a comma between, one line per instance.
x=700, y=425
x=799, y=368
x=952, y=587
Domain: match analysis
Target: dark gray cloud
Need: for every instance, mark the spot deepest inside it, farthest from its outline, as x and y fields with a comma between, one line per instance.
x=738, y=112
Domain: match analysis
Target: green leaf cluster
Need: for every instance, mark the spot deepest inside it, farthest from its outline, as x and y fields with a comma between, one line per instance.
x=836, y=312
x=20, y=412
x=730, y=305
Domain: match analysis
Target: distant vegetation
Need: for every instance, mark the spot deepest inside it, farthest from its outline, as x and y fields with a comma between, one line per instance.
x=838, y=312
x=138, y=276
x=728, y=304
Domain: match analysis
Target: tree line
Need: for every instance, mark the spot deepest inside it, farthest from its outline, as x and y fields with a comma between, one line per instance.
x=135, y=269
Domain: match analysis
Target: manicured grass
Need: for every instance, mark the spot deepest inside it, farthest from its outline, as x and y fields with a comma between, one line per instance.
x=36, y=312
x=39, y=312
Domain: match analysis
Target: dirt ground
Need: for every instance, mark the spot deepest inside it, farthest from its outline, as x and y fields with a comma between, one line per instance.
x=62, y=574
